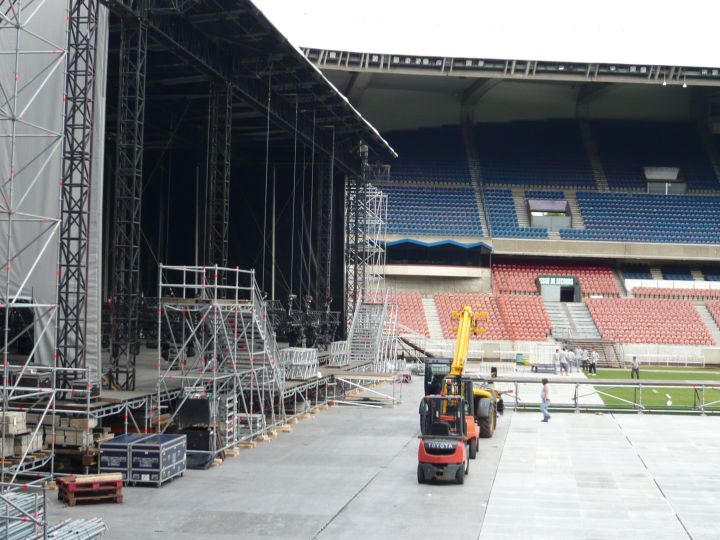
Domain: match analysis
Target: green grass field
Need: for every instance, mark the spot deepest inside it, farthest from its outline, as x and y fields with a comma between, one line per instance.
x=657, y=398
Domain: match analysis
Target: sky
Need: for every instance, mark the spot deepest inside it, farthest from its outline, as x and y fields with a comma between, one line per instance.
x=660, y=32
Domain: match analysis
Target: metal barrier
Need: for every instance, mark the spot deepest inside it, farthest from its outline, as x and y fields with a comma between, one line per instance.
x=610, y=395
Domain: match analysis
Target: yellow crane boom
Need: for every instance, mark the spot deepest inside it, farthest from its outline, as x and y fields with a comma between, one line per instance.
x=468, y=323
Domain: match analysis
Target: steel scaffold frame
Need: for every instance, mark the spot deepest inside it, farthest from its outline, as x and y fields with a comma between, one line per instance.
x=128, y=199
x=76, y=186
x=219, y=314
x=218, y=177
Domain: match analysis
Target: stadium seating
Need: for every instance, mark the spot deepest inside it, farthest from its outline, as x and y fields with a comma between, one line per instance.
x=432, y=211
x=430, y=155
x=502, y=217
x=520, y=277
x=411, y=313
x=626, y=147
x=637, y=271
x=510, y=317
x=711, y=273
x=678, y=293
x=543, y=194
x=548, y=152
x=649, y=320
x=626, y=217
x=677, y=273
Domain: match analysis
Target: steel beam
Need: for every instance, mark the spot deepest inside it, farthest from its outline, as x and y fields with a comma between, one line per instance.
x=76, y=187
x=128, y=198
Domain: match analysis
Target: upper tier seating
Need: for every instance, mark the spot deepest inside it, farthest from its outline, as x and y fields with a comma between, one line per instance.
x=521, y=277
x=626, y=147
x=637, y=271
x=677, y=293
x=624, y=217
x=432, y=211
x=677, y=273
x=430, y=155
x=548, y=152
x=502, y=216
x=510, y=317
x=649, y=320
x=411, y=313
x=711, y=273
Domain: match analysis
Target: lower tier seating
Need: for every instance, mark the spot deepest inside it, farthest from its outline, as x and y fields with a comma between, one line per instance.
x=649, y=320
x=510, y=317
x=411, y=313
x=521, y=277
x=714, y=309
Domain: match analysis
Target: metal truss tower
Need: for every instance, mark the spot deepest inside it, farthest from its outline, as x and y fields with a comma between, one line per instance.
x=365, y=228
x=128, y=199
x=325, y=229
x=76, y=187
x=220, y=147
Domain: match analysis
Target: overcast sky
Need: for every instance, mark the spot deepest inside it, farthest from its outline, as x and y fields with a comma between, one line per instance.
x=679, y=32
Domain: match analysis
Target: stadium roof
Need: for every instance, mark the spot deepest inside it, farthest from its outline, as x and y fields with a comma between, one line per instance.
x=641, y=32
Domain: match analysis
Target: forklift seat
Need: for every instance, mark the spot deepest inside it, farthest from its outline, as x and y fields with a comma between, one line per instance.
x=441, y=429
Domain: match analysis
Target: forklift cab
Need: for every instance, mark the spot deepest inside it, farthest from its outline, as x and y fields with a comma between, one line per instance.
x=443, y=416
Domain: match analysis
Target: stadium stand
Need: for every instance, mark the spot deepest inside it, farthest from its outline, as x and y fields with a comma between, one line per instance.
x=511, y=317
x=626, y=147
x=433, y=212
x=550, y=153
x=430, y=155
x=525, y=317
x=521, y=277
x=676, y=272
x=502, y=216
x=711, y=273
x=678, y=293
x=649, y=320
x=647, y=218
x=637, y=271
x=411, y=313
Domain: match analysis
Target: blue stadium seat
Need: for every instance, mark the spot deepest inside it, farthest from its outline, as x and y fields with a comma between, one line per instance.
x=430, y=155
x=502, y=217
x=626, y=147
x=637, y=271
x=433, y=211
x=626, y=217
x=549, y=152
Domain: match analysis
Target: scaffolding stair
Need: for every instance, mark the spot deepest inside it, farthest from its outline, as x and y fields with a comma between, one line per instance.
x=366, y=332
x=594, y=157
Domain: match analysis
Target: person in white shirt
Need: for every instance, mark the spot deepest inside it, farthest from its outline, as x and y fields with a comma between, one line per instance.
x=635, y=368
x=545, y=400
x=563, y=362
x=594, y=358
x=556, y=360
x=570, y=360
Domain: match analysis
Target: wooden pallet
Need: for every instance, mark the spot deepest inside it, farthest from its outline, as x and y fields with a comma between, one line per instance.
x=90, y=488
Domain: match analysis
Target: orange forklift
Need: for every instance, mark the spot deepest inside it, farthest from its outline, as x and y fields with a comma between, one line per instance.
x=443, y=453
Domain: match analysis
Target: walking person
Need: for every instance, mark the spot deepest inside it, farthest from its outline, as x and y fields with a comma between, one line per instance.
x=635, y=368
x=545, y=400
x=570, y=360
x=594, y=358
x=563, y=362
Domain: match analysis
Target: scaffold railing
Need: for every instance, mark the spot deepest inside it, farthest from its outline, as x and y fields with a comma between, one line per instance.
x=215, y=341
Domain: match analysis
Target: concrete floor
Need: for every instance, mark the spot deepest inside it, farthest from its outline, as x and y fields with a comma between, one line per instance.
x=350, y=473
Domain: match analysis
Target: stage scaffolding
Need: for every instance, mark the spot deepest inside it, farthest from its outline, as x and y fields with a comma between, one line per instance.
x=215, y=341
